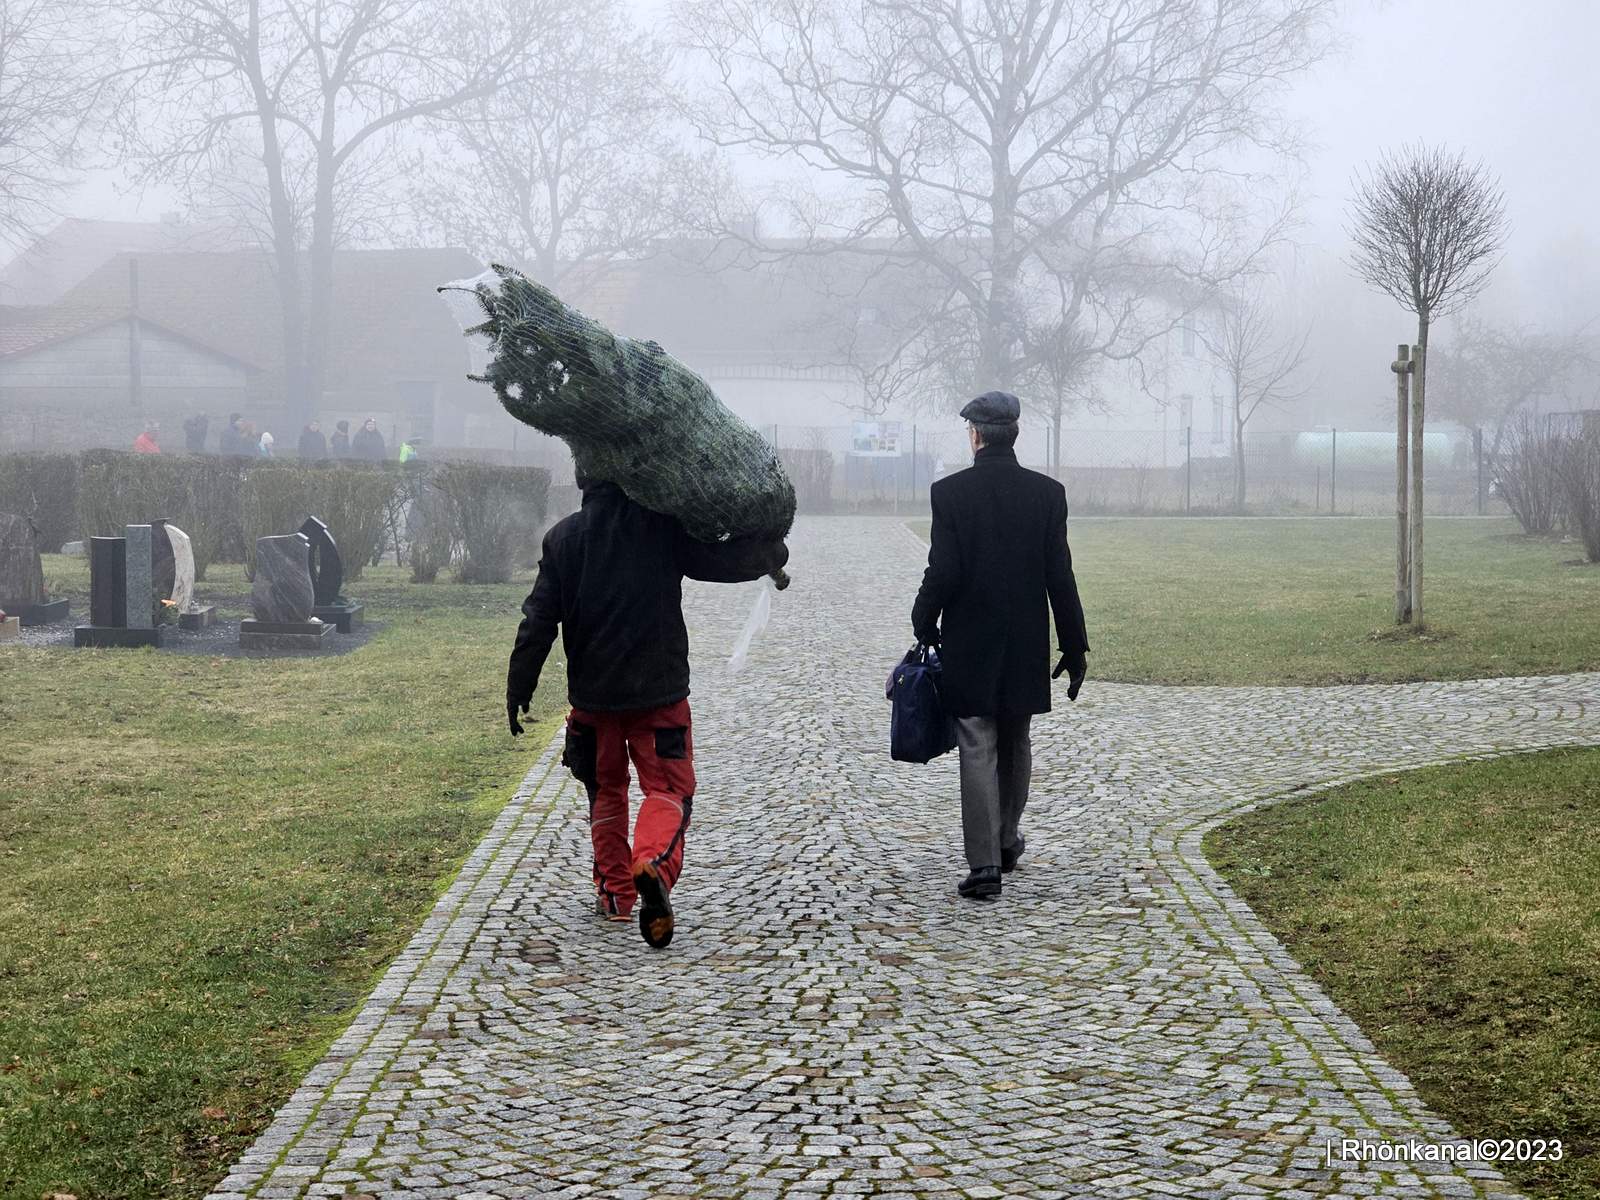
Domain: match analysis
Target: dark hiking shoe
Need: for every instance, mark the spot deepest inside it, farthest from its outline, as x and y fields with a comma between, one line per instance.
x=982, y=884
x=655, y=908
x=1010, y=858
x=605, y=907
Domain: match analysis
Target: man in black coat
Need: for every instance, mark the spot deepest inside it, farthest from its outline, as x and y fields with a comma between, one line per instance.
x=231, y=440
x=611, y=576
x=368, y=442
x=313, y=445
x=998, y=554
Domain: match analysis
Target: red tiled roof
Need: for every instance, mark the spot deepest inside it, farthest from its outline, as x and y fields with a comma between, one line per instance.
x=24, y=330
x=388, y=323
x=76, y=248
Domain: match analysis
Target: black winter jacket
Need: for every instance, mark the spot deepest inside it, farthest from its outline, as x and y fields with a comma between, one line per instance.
x=998, y=552
x=611, y=575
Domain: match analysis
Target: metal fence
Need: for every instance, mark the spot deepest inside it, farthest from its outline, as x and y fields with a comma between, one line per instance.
x=1144, y=472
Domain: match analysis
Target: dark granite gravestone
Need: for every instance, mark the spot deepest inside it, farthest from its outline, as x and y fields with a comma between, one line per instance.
x=108, y=582
x=327, y=579
x=120, y=573
x=282, y=596
x=22, y=593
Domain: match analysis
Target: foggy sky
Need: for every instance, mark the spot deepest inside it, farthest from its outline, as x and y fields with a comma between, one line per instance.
x=1519, y=89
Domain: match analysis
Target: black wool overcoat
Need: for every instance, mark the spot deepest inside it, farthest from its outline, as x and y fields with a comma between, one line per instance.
x=998, y=565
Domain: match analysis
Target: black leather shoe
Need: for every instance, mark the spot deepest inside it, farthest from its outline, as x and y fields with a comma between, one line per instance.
x=1009, y=858
x=982, y=884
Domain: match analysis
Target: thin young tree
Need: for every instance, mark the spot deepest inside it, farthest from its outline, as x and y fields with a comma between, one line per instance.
x=1427, y=228
x=1008, y=149
x=313, y=94
x=1263, y=360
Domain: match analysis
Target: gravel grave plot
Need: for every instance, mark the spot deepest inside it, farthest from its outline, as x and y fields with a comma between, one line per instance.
x=219, y=640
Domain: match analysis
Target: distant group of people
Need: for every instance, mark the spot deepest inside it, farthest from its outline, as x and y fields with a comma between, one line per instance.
x=239, y=438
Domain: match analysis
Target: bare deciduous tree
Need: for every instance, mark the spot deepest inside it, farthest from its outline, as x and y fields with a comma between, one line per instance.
x=1488, y=372
x=1017, y=153
x=1262, y=360
x=1427, y=228
x=577, y=163
x=51, y=85
x=315, y=92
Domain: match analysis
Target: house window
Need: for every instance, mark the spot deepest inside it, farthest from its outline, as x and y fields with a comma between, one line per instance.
x=1188, y=336
x=1216, y=418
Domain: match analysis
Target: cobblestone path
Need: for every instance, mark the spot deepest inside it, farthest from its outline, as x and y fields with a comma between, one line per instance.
x=831, y=1018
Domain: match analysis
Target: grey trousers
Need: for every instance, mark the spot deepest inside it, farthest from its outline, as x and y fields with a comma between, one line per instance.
x=996, y=765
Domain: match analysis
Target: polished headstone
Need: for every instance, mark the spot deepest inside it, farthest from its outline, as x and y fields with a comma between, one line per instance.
x=21, y=575
x=282, y=590
x=179, y=581
x=108, y=596
x=327, y=567
x=141, y=576
x=183, y=565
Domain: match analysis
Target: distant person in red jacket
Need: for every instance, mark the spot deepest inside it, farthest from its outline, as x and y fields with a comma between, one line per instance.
x=148, y=442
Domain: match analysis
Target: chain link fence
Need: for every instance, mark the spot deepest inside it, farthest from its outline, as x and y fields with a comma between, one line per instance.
x=888, y=467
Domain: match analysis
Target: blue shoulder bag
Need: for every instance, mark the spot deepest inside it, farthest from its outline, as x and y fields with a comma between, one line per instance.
x=919, y=728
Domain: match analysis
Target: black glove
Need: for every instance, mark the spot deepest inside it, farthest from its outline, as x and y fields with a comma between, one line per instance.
x=931, y=640
x=1075, y=666
x=512, y=705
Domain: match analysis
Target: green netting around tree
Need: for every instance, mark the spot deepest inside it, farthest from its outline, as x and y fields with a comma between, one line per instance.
x=631, y=413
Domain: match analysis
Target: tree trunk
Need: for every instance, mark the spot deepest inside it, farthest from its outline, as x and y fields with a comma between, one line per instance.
x=1055, y=441
x=1418, y=400
x=1238, y=454
x=997, y=339
x=305, y=398
x=285, y=240
x=1402, y=551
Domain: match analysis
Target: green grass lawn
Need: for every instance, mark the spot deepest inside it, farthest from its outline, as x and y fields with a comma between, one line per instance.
x=207, y=861
x=1312, y=601
x=1452, y=913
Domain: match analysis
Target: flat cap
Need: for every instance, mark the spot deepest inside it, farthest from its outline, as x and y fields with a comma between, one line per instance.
x=993, y=408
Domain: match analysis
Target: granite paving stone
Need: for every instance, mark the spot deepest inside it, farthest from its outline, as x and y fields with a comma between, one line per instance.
x=832, y=1019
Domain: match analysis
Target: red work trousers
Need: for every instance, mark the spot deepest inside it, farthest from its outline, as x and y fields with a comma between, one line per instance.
x=660, y=743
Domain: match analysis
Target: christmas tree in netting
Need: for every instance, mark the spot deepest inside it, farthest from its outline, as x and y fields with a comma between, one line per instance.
x=632, y=414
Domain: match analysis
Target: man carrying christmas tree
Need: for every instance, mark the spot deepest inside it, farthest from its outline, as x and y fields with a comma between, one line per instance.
x=611, y=576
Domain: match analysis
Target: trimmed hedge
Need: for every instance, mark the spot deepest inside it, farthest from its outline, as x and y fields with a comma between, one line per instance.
x=495, y=514
x=43, y=488
x=483, y=517
x=198, y=493
x=351, y=499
